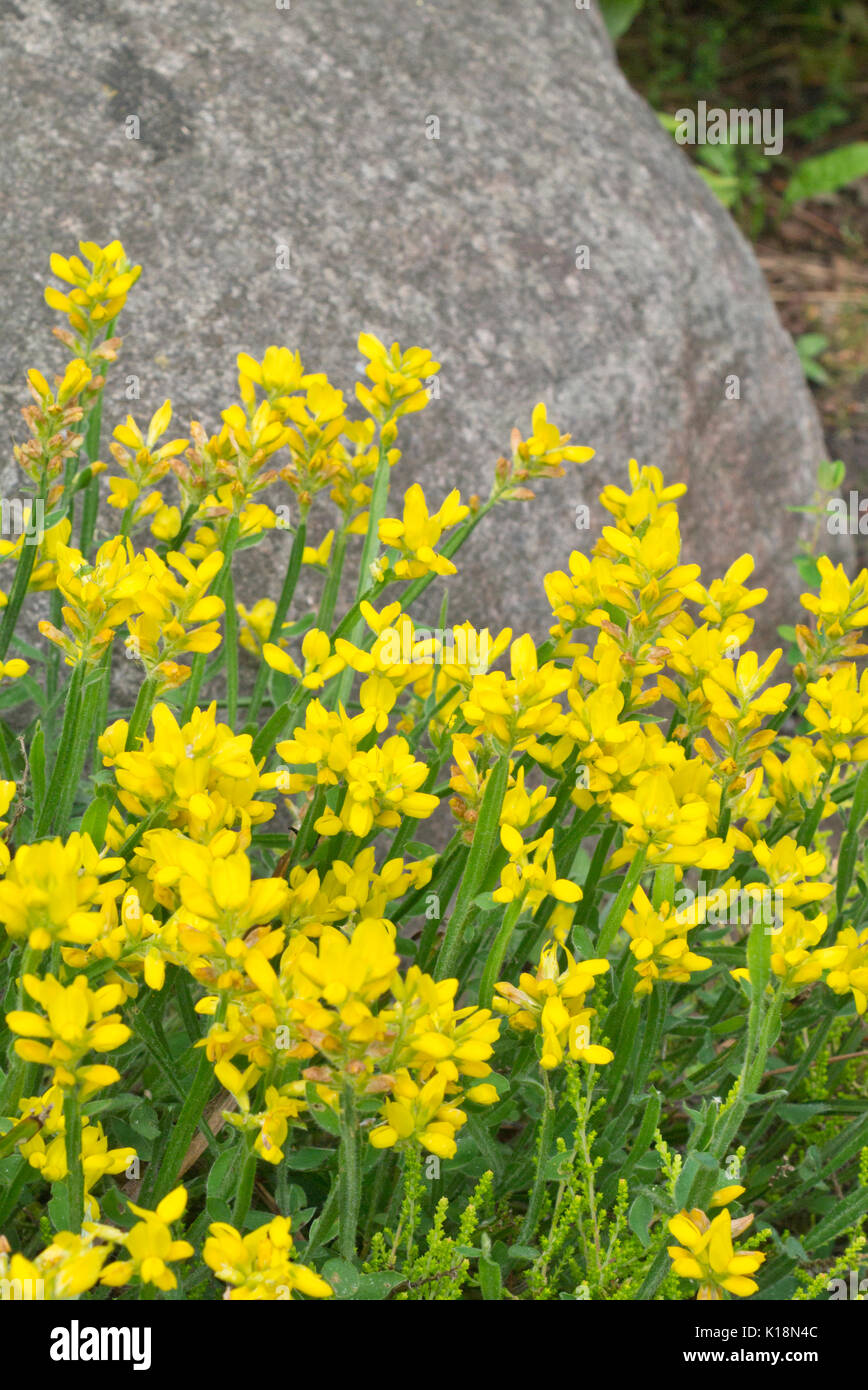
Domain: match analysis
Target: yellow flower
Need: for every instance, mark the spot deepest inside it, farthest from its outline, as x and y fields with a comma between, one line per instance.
x=396, y=381
x=143, y=464
x=846, y=964
x=56, y=892
x=516, y=712
x=99, y=597
x=416, y=535
x=256, y=624
x=658, y=941
x=218, y=889
x=282, y=1106
x=789, y=865
x=547, y=447
x=649, y=499
x=53, y=422
x=840, y=610
x=77, y=1020
x=521, y=808
x=737, y=707
x=177, y=615
x=727, y=597
x=797, y=781
x=706, y=1253
x=260, y=1265
x=99, y=291
x=381, y=783
x=350, y=890
x=320, y=662
x=420, y=1114
x=668, y=815
x=434, y=1035
x=319, y=555
x=347, y=973
x=552, y=1003
x=148, y=1244
x=65, y=1269
x=326, y=742
x=201, y=773
x=279, y=375
x=530, y=875
x=838, y=713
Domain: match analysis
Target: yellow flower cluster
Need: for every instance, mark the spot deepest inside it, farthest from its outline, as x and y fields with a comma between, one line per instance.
x=658, y=941
x=551, y=1002
x=706, y=1253
x=235, y=866
x=340, y=1003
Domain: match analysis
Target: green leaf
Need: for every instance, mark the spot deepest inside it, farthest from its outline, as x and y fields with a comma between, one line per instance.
x=58, y=1207
x=686, y=1179
x=218, y=1209
x=19, y=1134
x=759, y=959
x=322, y=1114
x=376, y=1286
x=831, y=472
x=618, y=15
x=844, y=1213
x=485, y=902
x=306, y=1159
x=95, y=819
x=808, y=571
x=343, y=1277
x=144, y=1121
x=490, y=1280
x=826, y=173
x=639, y=1218
x=220, y=1177
x=37, y=765
x=796, y=1113
x=522, y=1252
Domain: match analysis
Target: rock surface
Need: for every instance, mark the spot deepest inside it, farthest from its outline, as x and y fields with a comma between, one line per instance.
x=312, y=126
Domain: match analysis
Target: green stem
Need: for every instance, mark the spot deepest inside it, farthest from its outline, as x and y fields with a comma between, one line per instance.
x=142, y=712
x=75, y=1171
x=220, y=585
x=495, y=956
x=72, y=712
x=91, y=496
x=585, y=911
x=23, y=571
x=729, y=1122
x=290, y=581
x=306, y=832
x=245, y=1191
x=10, y=1201
x=329, y=598
x=615, y=915
x=165, y=1176
x=447, y=881
x=485, y=839
x=75, y=757
x=546, y=1134
x=231, y=644
x=812, y=820
x=350, y=1174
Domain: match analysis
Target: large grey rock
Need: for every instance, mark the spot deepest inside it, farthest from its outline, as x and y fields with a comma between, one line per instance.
x=309, y=126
